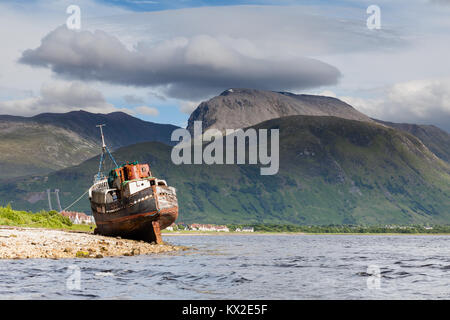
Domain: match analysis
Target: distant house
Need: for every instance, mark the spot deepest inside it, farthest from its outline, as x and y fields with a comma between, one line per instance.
x=248, y=229
x=208, y=227
x=193, y=226
x=171, y=227
x=222, y=229
x=78, y=217
x=200, y=227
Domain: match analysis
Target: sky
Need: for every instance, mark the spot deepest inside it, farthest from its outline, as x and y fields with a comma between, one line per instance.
x=157, y=60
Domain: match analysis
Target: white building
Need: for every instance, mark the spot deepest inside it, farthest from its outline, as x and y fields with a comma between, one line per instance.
x=208, y=227
x=78, y=217
x=222, y=229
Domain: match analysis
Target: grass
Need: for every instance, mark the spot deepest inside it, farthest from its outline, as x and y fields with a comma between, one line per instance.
x=41, y=219
x=82, y=227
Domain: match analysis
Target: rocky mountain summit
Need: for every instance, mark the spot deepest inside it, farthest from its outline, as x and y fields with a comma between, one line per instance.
x=240, y=108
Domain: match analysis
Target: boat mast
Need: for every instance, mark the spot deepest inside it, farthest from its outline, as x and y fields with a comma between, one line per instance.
x=103, y=137
x=105, y=150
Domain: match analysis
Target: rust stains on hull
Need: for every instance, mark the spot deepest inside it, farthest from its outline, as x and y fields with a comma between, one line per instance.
x=135, y=209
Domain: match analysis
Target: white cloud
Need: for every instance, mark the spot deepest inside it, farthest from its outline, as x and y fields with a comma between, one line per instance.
x=23, y=26
x=327, y=93
x=147, y=111
x=420, y=101
x=412, y=44
x=59, y=97
x=260, y=31
x=132, y=99
x=196, y=53
x=188, y=106
x=188, y=68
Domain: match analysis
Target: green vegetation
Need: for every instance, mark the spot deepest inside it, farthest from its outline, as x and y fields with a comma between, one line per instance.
x=43, y=148
x=350, y=229
x=42, y=219
x=437, y=140
x=332, y=171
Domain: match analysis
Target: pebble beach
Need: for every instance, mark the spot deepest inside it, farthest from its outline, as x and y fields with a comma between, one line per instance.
x=28, y=243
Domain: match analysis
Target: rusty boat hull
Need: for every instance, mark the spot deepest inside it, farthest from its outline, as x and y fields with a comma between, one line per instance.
x=135, y=221
x=140, y=216
x=138, y=226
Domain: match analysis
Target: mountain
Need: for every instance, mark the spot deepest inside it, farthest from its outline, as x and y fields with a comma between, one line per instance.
x=121, y=128
x=239, y=108
x=332, y=171
x=437, y=140
x=52, y=141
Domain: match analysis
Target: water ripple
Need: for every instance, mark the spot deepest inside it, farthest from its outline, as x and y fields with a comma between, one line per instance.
x=248, y=267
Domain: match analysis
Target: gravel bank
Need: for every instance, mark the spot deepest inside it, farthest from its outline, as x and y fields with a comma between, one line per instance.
x=26, y=243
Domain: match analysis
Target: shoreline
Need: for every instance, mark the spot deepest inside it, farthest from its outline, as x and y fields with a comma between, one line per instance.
x=30, y=243
x=212, y=233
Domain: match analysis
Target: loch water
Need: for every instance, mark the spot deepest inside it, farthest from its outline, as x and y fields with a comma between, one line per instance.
x=247, y=267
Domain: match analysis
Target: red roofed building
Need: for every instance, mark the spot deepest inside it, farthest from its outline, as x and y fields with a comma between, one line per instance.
x=78, y=217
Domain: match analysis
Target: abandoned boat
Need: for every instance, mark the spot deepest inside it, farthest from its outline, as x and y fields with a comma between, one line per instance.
x=130, y=202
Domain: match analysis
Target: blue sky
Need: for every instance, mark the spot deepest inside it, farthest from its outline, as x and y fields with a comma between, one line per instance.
x=159, y=59
x=144, y=5
x=149, y=5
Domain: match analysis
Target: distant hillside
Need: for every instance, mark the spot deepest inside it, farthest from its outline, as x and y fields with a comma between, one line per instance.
x=121, y=128
x=332, y=171
x=31, y=148
x=437, y=140
x=48, y=142
x=240, y=108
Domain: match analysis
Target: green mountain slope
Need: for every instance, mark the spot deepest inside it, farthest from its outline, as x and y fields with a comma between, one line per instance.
x=437, y=140
x=32, y=148
x=121, y=128
x=332, y=170
x=48, y=142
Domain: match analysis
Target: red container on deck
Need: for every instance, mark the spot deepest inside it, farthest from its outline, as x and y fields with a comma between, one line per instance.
x=132, y=171
x=144, y=170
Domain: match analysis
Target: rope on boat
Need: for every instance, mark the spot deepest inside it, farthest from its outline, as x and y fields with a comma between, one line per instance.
x=77, y=199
